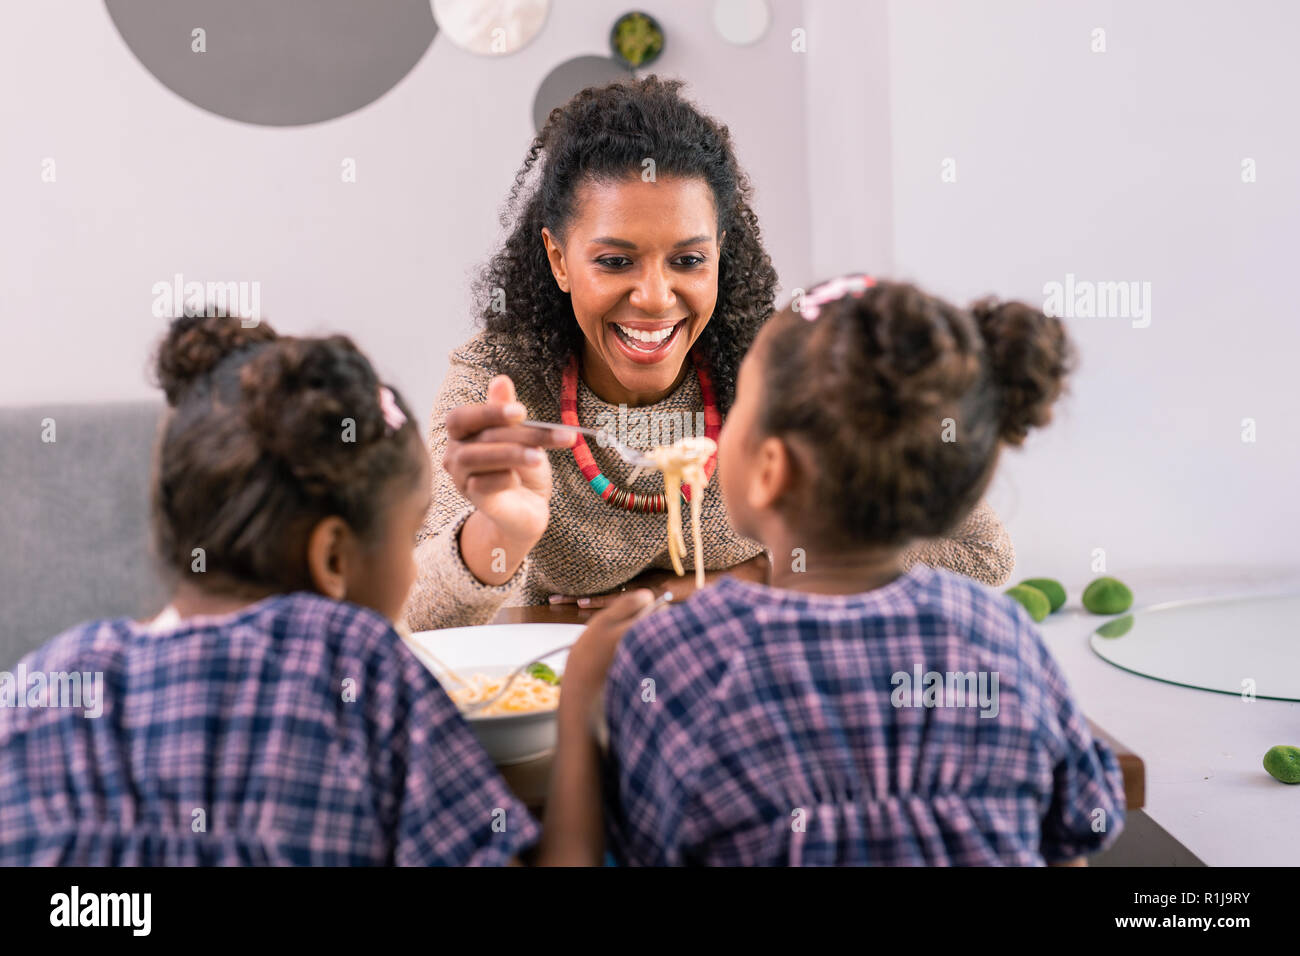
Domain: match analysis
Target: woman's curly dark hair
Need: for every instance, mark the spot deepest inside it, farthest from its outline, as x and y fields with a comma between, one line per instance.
x=604, y=133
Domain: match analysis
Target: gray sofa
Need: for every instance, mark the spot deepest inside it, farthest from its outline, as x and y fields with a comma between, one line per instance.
x=74, y=520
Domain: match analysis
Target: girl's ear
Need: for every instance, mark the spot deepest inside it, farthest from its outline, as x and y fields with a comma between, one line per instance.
x=771, y=474
x=327, y=557
x=555, y=253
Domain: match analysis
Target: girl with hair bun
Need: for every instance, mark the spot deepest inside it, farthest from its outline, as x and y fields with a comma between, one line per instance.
x=798, y=723
x=271, y=714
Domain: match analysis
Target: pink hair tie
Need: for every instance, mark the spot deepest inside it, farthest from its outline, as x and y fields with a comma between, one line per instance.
x=810, y=306
x=394, y=417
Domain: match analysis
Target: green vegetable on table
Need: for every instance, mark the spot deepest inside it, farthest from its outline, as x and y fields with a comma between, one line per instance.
x=1283, y=762
x=544, y=673
x=1033, y=600
x=1053, y=589
x=1107, y=596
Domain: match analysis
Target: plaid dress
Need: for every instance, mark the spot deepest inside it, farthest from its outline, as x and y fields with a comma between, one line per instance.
x=297, y=730
x=757, y=726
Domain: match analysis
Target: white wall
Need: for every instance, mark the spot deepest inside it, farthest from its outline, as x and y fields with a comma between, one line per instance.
x=149, y=185
x=1123, y=165
x=850, y=160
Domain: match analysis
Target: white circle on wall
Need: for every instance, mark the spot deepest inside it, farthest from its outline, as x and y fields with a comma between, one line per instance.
x=490, y=27
x=741, y=22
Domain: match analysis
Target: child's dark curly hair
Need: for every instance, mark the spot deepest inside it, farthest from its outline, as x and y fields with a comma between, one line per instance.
x=899, y=402
x=268, y=436
x=602, y=134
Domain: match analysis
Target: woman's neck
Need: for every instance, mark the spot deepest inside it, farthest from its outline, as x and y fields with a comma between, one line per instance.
x=605, y=386
x=799, y=568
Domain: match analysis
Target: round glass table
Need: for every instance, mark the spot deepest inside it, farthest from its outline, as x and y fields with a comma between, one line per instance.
x=1247, y=645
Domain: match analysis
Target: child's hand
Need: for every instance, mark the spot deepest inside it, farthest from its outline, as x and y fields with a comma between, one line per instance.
x=589, y=660
x=573, y=832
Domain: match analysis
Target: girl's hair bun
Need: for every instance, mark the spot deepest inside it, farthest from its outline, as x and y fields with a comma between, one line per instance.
x=1029, y=356
x=313, y=403
x=196, y=344
x=897, y=403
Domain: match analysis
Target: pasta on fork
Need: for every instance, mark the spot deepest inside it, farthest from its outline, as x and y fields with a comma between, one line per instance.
x=683, y=463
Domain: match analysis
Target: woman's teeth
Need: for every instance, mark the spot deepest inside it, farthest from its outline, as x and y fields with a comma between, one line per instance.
x=644, y=336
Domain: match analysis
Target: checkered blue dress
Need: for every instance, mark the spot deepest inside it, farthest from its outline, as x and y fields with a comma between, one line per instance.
x=758, y=726
x=298, y=730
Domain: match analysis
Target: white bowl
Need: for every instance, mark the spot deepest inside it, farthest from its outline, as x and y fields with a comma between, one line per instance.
x=495, y=650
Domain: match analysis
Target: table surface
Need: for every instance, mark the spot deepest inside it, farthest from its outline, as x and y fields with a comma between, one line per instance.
x=529, y=779
x=1205, y=782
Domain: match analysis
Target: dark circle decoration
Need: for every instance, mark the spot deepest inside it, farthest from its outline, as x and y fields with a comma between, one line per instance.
x=277, y=63
x=637, y=39
x=574, y=76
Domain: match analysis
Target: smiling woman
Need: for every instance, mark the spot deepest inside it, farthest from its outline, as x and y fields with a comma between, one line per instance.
x=632, y=277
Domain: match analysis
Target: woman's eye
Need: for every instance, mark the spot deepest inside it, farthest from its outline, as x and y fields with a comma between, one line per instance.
x=690, y=262
x=615, y=262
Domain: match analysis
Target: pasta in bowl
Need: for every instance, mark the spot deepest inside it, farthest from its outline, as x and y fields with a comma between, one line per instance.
x=471, y=663
x=532, y=692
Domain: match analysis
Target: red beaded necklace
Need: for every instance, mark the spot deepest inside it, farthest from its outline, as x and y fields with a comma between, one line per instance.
x=621, y=497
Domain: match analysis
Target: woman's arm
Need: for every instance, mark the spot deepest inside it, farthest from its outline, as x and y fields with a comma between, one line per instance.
x=491, y=491
x=979, y=548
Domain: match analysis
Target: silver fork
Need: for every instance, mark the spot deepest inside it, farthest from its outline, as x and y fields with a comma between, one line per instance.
x=629, y=454
x=475, y=707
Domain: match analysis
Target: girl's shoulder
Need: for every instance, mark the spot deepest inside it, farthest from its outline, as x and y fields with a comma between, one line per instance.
x=314, y=614
x=984, y=614
x=734, y=614
x=299, y=616
x=709, y=623
x=102, y=641
x=315, y=632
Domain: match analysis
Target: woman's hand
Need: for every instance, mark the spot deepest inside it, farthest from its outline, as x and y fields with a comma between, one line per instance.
x=756, y=569
x=498, y=465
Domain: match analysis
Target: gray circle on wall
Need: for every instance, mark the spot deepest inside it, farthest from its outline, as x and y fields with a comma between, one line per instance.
x=277, y=63
x=574, y=76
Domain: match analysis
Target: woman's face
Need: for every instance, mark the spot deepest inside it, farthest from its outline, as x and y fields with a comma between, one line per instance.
x=640, y=263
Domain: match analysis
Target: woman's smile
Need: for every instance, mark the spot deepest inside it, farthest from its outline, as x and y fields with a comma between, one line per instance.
x=646, y=342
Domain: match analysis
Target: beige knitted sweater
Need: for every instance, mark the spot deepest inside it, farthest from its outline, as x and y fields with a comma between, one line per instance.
x=589, y=546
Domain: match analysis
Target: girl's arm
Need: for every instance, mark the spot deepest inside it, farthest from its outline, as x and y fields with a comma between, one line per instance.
x=573, y=833
x=573, y=830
